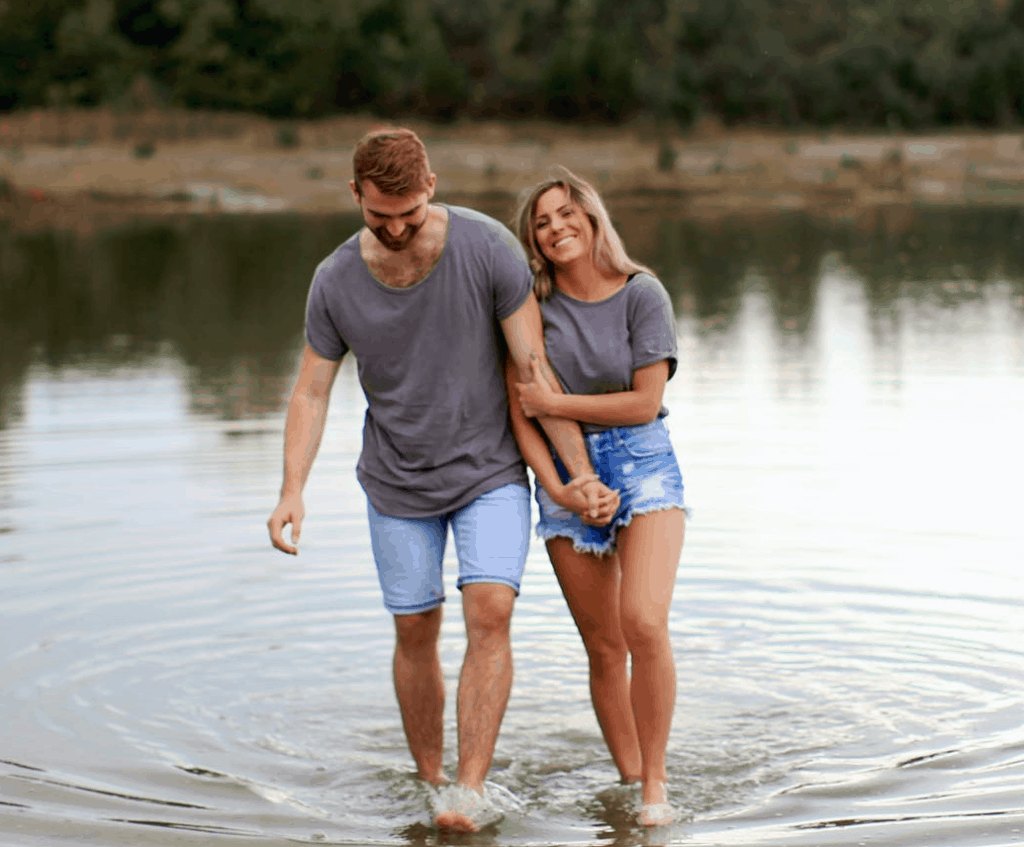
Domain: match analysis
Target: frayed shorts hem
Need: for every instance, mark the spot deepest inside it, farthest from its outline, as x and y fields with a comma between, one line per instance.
x=546, y=533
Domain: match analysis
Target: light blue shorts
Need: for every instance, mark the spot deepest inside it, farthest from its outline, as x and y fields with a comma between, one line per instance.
x=638, y=462
x=492, y=536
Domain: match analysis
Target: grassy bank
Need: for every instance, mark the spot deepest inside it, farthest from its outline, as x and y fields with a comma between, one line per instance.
x=90, y=167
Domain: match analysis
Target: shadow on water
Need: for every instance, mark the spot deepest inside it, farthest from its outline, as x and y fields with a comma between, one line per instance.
x=226, y=294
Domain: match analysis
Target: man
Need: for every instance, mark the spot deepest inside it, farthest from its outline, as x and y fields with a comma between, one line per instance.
x=427, y=297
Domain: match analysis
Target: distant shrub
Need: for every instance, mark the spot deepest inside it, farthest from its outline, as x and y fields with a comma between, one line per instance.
x=287, y=137
x=666, y=155
x=767, y=62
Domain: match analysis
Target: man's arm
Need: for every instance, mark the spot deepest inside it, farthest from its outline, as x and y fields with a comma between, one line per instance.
x=303, y=429
x=538, y=456
x=524, y=334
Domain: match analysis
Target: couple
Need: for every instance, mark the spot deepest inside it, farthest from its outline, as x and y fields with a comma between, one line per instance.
x=453, y=331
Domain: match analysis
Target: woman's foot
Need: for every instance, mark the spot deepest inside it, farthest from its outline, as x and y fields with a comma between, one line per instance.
x=656, y=811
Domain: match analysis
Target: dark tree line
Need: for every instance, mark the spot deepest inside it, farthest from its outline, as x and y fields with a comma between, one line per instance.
x=911, y=63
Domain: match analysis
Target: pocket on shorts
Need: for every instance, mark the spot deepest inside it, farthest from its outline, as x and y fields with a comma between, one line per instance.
x=647, y=440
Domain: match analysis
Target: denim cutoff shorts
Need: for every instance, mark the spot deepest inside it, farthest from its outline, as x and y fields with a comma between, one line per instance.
x=638, y=462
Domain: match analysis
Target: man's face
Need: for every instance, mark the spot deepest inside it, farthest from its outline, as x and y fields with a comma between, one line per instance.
x=393, y=219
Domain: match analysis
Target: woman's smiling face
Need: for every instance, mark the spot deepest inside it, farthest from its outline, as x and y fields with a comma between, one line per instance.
x=563, y=231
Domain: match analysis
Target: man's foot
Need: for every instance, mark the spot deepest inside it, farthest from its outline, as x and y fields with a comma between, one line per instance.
x=463, y=810
x=656, y=811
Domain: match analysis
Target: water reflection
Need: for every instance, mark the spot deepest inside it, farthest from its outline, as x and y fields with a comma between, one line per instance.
x=226, y=294
x=846, y=410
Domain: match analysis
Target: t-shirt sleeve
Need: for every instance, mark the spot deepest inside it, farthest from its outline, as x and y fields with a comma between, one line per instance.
x=321, y=332
x=510, y=274
x=652, y=324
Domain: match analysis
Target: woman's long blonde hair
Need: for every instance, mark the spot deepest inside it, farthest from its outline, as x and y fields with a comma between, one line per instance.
x=609, y=255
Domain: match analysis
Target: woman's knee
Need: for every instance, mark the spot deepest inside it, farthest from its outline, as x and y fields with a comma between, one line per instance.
x=606, y=649
x=645, y=632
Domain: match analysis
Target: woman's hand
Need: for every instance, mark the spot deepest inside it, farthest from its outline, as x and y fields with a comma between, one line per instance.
x=588, y=497
x=536, y=398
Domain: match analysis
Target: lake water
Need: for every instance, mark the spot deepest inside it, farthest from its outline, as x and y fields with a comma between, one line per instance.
x=847, y=622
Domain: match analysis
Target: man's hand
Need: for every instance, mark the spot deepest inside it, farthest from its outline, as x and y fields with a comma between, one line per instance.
x=591, y=499
x=288, y=511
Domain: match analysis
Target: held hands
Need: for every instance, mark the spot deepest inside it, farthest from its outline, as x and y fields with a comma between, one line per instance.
x=588, y=497
x=535, y=397
x=288, y=511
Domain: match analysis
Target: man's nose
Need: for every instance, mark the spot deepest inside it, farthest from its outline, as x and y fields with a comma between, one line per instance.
x=395, y=227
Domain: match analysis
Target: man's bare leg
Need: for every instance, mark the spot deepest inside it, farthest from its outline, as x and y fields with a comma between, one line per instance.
x=484, y=687
x=419, y=685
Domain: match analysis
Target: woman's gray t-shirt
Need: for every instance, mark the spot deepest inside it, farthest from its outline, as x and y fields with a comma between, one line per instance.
x=595, y=347
x=430, y=361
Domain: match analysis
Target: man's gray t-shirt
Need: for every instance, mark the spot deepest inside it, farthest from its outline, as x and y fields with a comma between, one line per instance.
x=430, y=361
x=595, y=347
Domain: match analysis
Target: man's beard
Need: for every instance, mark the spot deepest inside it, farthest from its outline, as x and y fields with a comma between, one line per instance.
x=397, y=244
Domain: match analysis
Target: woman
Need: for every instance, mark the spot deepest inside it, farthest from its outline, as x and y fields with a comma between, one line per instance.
x=610, y=336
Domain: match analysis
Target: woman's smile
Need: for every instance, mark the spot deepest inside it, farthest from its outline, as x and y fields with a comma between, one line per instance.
x=563, y=232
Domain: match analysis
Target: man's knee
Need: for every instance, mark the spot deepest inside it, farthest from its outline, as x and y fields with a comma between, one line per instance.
x=487, y=608
x=418, y=631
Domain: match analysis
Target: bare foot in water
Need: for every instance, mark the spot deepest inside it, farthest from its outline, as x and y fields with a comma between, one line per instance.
x=462, y=809
x=656, y=811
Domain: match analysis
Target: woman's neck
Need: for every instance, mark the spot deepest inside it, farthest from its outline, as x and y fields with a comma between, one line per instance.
x=585, y=281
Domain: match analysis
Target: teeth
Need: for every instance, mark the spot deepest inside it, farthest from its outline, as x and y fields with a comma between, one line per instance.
x=562, y=241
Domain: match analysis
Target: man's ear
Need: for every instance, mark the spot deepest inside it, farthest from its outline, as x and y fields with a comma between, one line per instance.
x=357, y=195
x=431, y=184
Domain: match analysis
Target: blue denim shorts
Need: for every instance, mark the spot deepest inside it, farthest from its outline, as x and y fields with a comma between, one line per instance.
x=492, y=536
x=637, y=461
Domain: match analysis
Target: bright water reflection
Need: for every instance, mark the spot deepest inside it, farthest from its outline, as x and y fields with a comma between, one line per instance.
x=847, y=621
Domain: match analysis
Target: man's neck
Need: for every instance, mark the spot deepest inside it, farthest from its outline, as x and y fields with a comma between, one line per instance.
x=404, y=268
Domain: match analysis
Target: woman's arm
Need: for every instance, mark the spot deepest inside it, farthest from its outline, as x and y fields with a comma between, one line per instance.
x=524, y=335
x=638, y=405
x=537, y=455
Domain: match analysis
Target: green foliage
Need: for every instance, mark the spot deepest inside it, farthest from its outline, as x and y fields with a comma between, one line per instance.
x=878, y=63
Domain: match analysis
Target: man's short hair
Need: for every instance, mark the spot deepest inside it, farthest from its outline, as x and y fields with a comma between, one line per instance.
x=394, y=160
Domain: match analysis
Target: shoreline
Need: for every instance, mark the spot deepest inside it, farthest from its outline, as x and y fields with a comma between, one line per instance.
x=153, y=164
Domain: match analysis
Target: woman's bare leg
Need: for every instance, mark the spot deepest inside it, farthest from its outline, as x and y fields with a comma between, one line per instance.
x=649, y=550
x=591, y=588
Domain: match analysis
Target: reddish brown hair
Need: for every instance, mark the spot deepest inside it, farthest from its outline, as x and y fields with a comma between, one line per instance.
x=393, y=159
